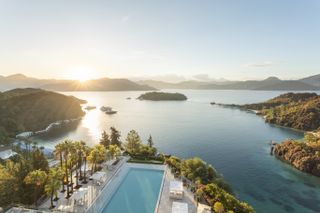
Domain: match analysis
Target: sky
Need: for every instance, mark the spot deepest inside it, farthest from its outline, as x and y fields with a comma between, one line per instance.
x=169, y=39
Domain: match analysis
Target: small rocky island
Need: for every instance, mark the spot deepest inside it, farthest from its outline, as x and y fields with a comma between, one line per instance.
x=162, y=96
x=305, y=155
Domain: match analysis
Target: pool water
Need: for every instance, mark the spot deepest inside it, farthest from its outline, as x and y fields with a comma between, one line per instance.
x=138, y=192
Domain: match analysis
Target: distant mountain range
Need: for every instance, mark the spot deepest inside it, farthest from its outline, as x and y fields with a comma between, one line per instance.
x=102, y=84
x=110, y=84
x=271, y=83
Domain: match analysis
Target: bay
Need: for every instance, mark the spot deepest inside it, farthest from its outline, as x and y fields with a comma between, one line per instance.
x=235, y=142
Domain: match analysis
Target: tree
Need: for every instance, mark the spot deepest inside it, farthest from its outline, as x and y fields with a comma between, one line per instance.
x=133, y=142
x=37, y=178
x=105, y=140
x=53, y=184
x=72, y=162
x=115, y=136
x=79, y=153
x=39, y=161
x=66, y=148
x=97, y=155
x=218, y=207
x=86, y=153
x=194, y=169
x=8, y=187
x=150, y=141
x=114, y=151
x=58, y=151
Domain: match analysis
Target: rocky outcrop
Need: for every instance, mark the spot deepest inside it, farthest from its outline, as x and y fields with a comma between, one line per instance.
x=299, y=155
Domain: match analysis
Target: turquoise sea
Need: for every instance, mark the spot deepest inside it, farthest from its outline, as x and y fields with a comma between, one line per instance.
x=235, y=142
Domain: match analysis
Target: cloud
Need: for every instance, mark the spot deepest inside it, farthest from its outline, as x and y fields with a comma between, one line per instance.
x=202, y=77
x=261, y=64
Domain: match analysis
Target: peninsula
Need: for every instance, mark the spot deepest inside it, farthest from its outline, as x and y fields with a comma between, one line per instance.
x=299, y=111
x=34, y=109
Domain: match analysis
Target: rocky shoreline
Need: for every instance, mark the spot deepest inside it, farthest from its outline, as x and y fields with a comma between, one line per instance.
x=299, y=155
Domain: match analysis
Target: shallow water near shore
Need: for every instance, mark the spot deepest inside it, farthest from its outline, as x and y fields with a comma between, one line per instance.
x=234, y=141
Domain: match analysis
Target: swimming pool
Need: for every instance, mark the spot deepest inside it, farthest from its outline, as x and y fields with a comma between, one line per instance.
x=138, y=192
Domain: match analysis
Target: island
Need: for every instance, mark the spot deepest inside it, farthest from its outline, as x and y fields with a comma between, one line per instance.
x=162, y=96
x=29, y=109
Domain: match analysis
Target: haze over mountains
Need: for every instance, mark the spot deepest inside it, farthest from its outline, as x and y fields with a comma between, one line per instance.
x=271, y=83
x=101, y=84
x=110, y=84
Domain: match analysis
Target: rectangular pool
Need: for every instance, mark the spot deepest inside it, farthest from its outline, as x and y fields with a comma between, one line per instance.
x=137, y=193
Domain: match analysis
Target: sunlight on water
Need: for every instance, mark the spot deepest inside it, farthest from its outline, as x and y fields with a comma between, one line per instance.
x=91, y=122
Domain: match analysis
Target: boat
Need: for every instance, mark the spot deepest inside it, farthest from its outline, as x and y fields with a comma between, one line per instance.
x=108, y=110
x=212, y=103
x=128, y=98
x=90, y=107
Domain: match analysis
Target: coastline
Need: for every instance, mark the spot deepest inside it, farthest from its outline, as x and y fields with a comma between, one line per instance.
x=4, y=149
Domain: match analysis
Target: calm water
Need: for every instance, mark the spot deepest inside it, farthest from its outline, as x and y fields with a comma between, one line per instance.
x=234, y=141
x=138, y=192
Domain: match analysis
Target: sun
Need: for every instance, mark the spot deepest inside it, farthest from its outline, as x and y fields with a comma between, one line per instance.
x=80, y=74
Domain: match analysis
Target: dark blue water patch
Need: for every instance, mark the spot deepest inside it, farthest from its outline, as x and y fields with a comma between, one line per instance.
x=288, y=208
x=310, y=193
x=257, y=196
x=309, y=185
x=308, y=202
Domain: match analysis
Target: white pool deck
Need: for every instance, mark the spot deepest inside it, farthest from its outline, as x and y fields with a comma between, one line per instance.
x=98, y=195
x=93, y=191
x=165, y=205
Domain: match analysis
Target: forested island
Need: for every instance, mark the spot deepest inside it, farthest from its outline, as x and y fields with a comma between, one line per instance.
x=303, y=155
x=162, y=96
x=34, y=109
x=299, y=111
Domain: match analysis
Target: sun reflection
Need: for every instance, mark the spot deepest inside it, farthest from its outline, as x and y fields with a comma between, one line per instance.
x=90, y=121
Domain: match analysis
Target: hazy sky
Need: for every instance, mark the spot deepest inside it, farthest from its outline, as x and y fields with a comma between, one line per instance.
x=239, y=39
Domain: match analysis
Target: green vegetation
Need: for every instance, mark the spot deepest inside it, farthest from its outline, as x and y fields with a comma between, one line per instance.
x=162, y=96
x=305, y=155
x=295, y=110
x=136, y=149
x=207, y=184
x=34, y=109
x=23, y=177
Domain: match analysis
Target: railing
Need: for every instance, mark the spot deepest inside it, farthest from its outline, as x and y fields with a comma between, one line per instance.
x=96, y=204
x=160, y=194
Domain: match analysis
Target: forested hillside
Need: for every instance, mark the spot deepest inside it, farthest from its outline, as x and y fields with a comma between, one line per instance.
x=34, y=109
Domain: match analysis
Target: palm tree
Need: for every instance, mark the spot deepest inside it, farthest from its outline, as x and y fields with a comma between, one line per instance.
x=97, y=155
x=38, y=179
x=114, y=151
x=58, y=152
x=53, y=184
x=218, y=207
x=72, y=162
x=86, y=153
x=66, y=148
x=81, y=148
